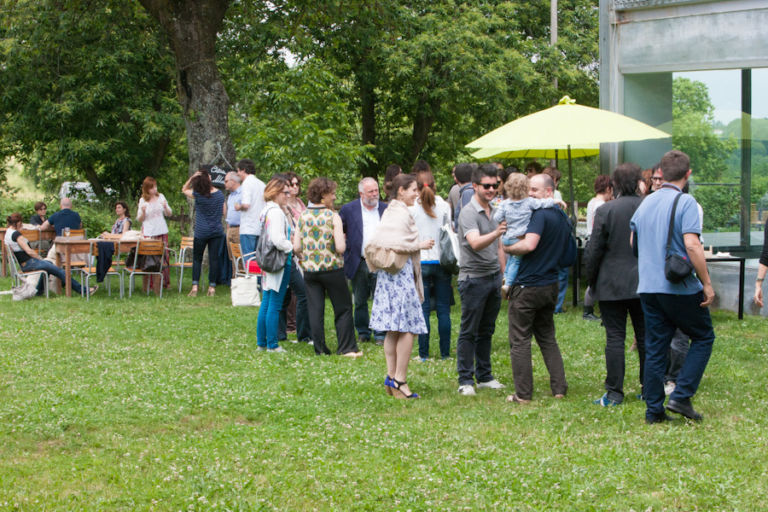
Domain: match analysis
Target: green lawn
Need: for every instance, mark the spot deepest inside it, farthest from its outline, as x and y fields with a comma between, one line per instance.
x=148, y=404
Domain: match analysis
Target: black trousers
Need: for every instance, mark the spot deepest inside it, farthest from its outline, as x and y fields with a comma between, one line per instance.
x=334, y=284
x=615, y=321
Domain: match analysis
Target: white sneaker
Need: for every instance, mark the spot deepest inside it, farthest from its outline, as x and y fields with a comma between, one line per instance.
x=669, y=387
x=467, y=390
x=278, y=349
x=491, y=384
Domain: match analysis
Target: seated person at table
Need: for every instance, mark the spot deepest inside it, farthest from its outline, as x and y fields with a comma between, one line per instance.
x=64, y=218
x=39, y=217
x=28, y=258
x=123, y=222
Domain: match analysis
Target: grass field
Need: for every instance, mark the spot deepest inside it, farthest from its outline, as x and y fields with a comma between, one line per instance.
x=148, y=404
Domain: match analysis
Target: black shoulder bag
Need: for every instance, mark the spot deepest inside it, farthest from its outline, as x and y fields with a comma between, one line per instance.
x=676, y=267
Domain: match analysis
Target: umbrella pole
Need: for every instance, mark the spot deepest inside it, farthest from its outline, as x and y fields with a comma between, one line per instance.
x=574, y=220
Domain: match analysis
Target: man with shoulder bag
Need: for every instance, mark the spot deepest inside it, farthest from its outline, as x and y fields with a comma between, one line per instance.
x=671, y=295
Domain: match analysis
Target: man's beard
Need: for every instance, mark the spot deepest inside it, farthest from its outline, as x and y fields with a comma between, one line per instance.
x=370, y=203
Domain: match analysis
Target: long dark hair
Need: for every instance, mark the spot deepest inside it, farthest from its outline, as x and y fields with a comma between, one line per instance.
x=125, y=208
x=401, y=181
x=426, y=183
x=202, y=182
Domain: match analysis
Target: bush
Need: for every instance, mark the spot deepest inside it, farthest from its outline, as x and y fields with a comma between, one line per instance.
x=718, y=205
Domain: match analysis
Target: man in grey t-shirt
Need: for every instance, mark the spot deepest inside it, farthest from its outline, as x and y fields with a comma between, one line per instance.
x=479, y=283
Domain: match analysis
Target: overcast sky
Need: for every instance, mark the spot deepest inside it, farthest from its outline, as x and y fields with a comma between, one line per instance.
x=725, y=91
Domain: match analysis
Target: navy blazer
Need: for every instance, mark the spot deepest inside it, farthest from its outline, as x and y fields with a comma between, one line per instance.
x=352, y=219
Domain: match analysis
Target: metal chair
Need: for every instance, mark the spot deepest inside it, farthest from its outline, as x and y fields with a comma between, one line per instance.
x=90, y=270
x=180, y=258
x=145, y=248
x=17, y=273
x=241, y=261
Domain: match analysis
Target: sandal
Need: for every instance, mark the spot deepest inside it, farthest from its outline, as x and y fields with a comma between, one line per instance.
x=211, y=291
x=398, y=393
x=516, y=399
x=388, y=385
x=93, y=289
x=192, y=292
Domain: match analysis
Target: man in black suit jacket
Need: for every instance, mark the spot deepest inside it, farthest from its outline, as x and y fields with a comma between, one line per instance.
x=611, y=269
x=360, y=219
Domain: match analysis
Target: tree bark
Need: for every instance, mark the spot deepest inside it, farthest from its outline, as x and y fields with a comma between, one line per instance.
x=192, y=27
x=93, y=179
x=422, y=124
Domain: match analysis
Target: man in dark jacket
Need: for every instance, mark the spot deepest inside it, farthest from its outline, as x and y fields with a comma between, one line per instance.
x=611, y=269
x=360, y=219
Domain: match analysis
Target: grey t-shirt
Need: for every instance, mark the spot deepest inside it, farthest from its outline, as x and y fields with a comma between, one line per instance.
x=477, y=263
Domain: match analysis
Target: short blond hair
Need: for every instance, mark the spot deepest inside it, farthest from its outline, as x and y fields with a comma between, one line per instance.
x=517, y=186
x=274, y=187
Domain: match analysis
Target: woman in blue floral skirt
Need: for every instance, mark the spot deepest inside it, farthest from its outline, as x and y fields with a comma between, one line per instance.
x=394, y=251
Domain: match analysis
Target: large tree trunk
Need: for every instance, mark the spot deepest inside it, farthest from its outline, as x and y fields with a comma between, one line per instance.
x=422, y=125
x=191, y=27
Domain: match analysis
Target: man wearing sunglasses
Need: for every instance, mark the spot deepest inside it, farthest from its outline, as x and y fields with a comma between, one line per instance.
x=479, y=283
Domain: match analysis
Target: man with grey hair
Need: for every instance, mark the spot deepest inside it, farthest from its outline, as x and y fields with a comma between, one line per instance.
x=360, y=219
x=232, y=185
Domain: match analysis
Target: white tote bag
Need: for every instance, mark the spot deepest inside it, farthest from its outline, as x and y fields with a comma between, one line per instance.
x=28, y=287
x=245, y=291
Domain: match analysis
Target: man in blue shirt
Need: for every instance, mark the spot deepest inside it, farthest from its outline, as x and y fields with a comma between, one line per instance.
x=534, y=294
x=668, y=306
x=64, y=218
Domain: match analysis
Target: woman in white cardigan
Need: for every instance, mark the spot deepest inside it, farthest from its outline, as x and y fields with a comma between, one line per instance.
x=278, y=230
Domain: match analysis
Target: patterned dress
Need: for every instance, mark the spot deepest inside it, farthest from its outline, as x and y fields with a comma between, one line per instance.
x=396, y=305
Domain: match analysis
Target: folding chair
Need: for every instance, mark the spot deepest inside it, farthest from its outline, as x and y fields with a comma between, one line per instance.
x=180, y=258
x=90, y=270
x=145, y=248
x=245, y=265
x=17, y=273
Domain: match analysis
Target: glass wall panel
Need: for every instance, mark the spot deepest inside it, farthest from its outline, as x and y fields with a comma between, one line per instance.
x=759, y=154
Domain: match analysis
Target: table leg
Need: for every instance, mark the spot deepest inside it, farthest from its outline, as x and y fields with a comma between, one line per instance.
x=68, y=269
x=3, y=268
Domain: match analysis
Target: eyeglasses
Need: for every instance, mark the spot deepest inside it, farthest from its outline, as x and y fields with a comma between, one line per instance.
x=657, y=178
x=488, y=186
x=295, y=184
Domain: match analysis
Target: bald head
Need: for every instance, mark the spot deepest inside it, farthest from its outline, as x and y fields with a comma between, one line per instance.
x=541, y=186
x=65, y=203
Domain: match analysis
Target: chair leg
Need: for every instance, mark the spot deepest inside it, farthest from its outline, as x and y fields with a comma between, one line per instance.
x=180, y=274
x=161, y=285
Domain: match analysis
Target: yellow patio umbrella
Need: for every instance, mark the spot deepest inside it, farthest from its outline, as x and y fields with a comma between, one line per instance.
x=576, y=130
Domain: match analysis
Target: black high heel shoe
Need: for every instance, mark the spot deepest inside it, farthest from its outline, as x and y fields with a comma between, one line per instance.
x=399, y=394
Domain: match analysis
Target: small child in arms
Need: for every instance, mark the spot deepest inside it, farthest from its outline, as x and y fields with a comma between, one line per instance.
x=516, y=209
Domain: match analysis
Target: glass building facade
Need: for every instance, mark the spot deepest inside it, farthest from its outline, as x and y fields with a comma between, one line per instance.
x=699, y=71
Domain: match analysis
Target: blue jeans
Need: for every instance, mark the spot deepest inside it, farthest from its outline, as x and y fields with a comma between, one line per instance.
x=50, y=268
x=269, y=313
x=248, y=243
x=436, y=280
x=663, y=314
x=562, y=287
x=510, y=271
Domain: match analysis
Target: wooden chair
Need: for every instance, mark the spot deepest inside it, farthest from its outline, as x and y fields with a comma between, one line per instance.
x=241, y=261
x=34, y=239
x=145, y=248
x=17, y=273
x=180, y=257
x=90, y=270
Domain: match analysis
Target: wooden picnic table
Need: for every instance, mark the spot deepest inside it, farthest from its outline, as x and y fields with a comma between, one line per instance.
x=67, y=246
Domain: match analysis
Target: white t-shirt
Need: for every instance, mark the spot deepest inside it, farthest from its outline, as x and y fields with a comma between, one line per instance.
x=371, y=219
x=429, y=227
x=252, y=191
x=592, y=206
x=154, y=216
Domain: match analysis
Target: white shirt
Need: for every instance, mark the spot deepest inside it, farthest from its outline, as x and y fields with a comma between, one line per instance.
x=592, y=206
x=429, y=227
x=154, y=216
x=253, y=196
x=371, y=221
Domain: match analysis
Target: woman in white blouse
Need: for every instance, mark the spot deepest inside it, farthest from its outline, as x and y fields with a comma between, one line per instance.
x=153, y=208
x=277, y=229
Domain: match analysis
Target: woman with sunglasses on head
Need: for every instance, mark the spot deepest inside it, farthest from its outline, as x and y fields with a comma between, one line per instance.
x=277, y=229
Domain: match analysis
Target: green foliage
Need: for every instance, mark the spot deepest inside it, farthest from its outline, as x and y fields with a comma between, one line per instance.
x=299, y=119
x=720, y=206
x=87, y=92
